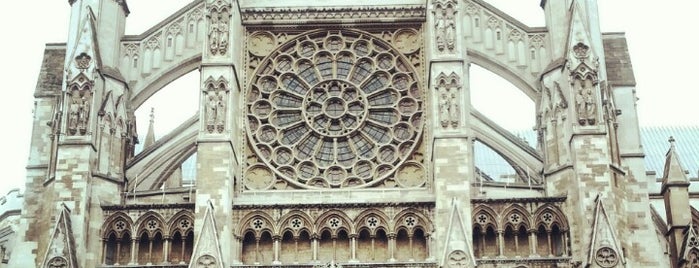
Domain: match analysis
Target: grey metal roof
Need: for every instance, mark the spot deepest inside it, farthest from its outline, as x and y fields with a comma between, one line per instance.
x=655, y=146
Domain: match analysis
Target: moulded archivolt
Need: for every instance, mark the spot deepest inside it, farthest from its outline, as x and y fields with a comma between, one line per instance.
x=339, y=108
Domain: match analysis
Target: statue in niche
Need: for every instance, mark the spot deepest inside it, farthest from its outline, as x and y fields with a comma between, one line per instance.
x=218, y=30
x=445, y=29
x=444, y=106
x=448, y=100
x=215, y=108
x=453, y=109
x=78, y=113
x=585, y=100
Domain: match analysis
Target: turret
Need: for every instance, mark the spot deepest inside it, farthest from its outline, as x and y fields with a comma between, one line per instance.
x=675, y=193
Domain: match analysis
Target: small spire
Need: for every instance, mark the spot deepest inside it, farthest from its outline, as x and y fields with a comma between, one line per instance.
x=673, y=171
x=150, y=136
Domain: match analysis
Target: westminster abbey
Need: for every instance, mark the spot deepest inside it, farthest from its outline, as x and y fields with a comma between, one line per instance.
x=341, y=134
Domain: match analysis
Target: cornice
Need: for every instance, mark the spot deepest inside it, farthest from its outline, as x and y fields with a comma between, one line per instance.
x=555, y=199
x=147, y=206
x=339, y=205
x=325, y=15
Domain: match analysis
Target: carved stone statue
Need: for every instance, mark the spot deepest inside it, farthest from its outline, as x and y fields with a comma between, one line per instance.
x=218, y=29
x=445, y=29
x=585, y=102
x=444, y=104
x=448, y=92
x=78, y=113
x=215, y=105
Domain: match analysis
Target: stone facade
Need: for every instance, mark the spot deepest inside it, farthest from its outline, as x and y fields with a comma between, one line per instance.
x=336, y=134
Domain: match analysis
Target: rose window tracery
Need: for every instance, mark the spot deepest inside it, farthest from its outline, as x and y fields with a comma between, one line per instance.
x=335, y=109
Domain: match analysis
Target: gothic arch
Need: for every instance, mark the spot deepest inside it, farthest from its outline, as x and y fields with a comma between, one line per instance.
x=257, y=222
x=364, y=221
x=485, y=217
x=110, y=225
x=287, y=223
x=542, y=214
x=150, y=223
x=327, y=221
x=403, y=221
x=176, y=223
x=515, y=216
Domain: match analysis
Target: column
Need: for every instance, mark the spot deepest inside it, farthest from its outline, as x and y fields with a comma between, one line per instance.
x=501, y=243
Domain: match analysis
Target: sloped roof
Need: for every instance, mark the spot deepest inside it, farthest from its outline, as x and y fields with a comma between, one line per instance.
x=655, y=145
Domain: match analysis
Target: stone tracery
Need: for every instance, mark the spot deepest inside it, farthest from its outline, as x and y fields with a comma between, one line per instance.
x=340, y=109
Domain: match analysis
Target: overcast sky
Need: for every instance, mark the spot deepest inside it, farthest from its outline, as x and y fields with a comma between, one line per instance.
x=661, y=38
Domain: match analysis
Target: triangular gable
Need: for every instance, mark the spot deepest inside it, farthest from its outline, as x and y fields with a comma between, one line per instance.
x=61, y=249
x=604, y=246
x=457, y=253
x=207, y=252
x=85, y=58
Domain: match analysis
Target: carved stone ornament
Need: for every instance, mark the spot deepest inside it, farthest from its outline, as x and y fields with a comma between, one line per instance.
x=585, y=99
x=458, y=259
x=57, y=262
x=79, y=100
x=219, y=27
x=216, y=98
x=340, y=14
x=206, y=261
x=581, y=51
x=445, y=25
x=448, y=90
x=606, y=257
x=332, y=109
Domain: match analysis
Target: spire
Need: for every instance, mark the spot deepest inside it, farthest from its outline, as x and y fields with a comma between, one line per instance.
x=673, y=172
x=61, y=251
x=150, y=136
x=207, y=252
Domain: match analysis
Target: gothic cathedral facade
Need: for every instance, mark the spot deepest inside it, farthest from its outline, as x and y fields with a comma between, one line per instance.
x=340, y=134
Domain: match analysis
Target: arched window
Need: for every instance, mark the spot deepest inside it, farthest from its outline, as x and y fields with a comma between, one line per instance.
x=542, y=242
x=110, y=256
x=402, y=250
x=510, y=247
x=249, y=248
x=478, y=241
x=523, y=248
x=305, y=251
x=342, y=247
x=289, y=248
x=419, y=245
x=266, y=249
x=491, y=242
x=557, y=245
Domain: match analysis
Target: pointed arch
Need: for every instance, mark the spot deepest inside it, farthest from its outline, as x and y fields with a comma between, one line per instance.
x=289, y=222
x=145, y=224
x=515, y=215
x=257, y=222
x=326, y=221
x=403, y=220
x=542, y=214
x=364, y=221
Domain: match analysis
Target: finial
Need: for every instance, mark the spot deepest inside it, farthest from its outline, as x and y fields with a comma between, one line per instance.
x=152, y=114
x=671, y=139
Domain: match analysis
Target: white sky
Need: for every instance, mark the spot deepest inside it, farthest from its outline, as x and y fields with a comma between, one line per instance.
x=660, y=36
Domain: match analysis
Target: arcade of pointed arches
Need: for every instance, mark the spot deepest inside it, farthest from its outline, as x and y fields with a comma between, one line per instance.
x=515, y=232
x=372, y=236
x=149, y=240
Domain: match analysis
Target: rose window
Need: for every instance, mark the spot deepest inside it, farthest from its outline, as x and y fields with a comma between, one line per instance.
x=338, y=109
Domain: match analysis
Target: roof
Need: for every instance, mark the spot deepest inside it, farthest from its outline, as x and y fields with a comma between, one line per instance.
x=655, y=145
